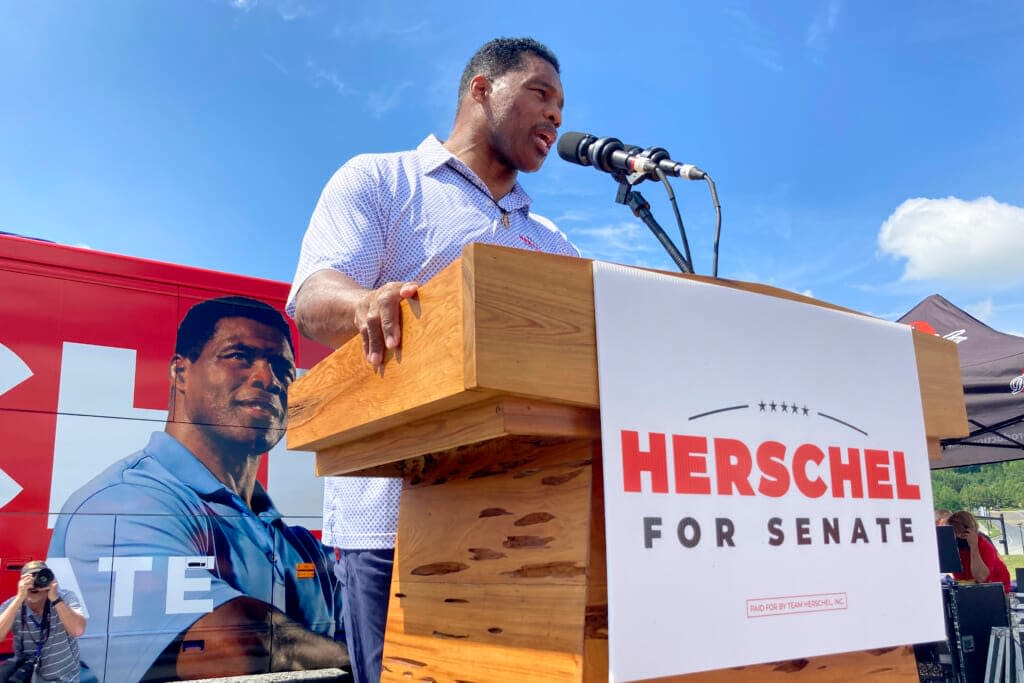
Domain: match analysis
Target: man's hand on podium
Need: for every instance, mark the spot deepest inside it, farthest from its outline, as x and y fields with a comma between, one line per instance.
x=379, y=318
x=331, y=308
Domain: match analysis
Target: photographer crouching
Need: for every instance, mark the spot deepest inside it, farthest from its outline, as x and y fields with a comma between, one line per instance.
x=46, y=622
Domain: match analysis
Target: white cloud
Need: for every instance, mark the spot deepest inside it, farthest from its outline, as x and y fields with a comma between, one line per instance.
x=573, y=216
x=323, y=76
x=372, y=29
x=437, y=93
x=823, y=25
x=766, y=57
x=977, y=242
x=288, y=10
x=981, y=310
x=378, y=102
x=383, y=100
x=626, y=242
x=756, y=41
x=275, y=63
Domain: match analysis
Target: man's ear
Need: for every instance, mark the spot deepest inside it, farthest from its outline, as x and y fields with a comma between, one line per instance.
x=479, y=88
x=177, y=370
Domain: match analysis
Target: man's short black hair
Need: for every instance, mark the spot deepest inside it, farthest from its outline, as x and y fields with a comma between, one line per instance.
x=200, y=323
x=501, y=55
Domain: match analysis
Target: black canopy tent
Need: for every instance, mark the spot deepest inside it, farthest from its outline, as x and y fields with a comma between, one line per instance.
x=992, y=368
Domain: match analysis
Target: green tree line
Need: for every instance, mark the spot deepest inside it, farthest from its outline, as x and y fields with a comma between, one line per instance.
x=998, y=485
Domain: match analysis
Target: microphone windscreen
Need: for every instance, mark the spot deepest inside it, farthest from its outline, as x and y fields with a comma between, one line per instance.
x=569, y=147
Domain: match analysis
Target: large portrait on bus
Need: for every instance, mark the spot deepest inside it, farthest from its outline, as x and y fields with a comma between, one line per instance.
x=148, y=469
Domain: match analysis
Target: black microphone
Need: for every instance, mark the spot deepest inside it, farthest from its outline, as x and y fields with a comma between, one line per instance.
x=610, y=155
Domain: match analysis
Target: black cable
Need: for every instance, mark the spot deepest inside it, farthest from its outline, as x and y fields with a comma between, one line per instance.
x=718, y=221
x=642, y=210
x=679, y=218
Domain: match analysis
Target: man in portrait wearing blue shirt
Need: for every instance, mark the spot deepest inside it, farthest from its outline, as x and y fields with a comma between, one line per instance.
x=386, y=223
x=185, y=566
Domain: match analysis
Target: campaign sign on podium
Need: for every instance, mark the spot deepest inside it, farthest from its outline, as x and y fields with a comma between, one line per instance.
x=767, y=491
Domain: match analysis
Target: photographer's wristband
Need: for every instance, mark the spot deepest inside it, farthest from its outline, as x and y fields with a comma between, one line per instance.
x=57, y=601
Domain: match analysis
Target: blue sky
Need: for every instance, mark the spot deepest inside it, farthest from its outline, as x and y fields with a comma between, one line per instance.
x=866, y=153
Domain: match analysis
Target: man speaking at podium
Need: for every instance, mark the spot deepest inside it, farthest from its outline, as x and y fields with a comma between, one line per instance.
x=386, y=223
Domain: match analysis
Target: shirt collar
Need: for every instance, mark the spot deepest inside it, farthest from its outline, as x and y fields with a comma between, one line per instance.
x=434, y=156
x=187, y=468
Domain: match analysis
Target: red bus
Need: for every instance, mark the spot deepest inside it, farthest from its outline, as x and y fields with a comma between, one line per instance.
x=85, y=341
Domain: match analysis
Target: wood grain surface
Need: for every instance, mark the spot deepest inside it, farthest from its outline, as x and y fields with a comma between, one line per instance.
x=506, y=322
x=342, y=398
x=492, y=563
x=488, y=419
x=489, y=412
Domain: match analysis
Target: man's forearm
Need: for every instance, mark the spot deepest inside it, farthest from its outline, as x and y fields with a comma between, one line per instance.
x=331, y=308
x=295, y=648
x=237, y=641
x=74, y=623
x=8, y=616
x=325, y=307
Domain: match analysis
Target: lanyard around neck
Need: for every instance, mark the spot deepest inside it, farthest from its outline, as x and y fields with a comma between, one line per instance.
x=43, y=626
x=486, y=193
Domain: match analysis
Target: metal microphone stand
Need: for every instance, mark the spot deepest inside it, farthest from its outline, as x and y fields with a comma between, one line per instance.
x=642, y=210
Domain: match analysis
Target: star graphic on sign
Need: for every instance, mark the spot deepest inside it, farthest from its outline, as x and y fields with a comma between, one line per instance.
x=774, y=405
x=785, y=408
x=805, y=410
x=761, y=405
x=794, y=408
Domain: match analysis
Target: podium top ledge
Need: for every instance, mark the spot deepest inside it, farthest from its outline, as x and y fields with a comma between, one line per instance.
x=509, y=322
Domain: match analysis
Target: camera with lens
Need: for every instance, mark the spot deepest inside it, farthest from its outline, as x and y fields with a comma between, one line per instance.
x=26, y=667
x=42, y=578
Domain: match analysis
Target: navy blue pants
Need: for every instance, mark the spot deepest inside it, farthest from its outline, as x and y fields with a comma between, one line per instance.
x=365, y=577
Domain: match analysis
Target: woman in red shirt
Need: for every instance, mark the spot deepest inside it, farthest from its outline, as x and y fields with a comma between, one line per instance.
x=980, y=560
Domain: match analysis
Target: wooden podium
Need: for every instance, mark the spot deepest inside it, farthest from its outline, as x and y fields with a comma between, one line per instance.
x=490, y=413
